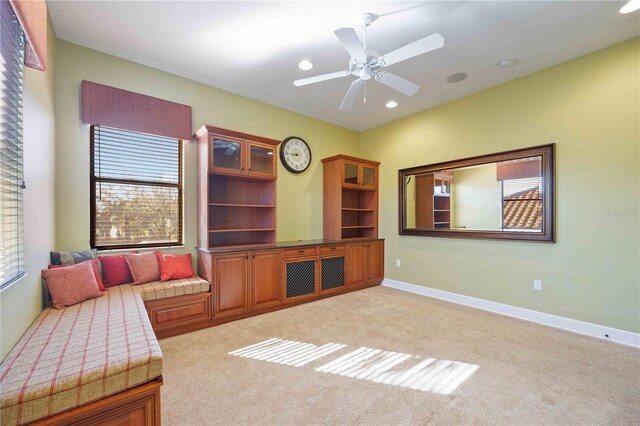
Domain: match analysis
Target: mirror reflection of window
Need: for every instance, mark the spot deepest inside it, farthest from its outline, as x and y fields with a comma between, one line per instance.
x=521, y=182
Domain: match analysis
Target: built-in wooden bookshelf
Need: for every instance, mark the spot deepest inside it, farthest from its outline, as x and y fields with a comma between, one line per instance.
x=433, y=200
x=237, y=189
x=350, y=198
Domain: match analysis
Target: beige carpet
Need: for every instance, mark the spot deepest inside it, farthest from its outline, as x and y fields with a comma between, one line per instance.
x=510, y=371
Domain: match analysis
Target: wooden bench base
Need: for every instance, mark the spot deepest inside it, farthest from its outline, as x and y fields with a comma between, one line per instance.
x=180, y=314
x=139, y=406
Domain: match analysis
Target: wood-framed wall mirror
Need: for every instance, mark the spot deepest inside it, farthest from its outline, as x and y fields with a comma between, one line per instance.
x=505, y=196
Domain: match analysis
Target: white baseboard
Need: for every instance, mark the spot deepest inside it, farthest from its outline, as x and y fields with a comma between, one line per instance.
x=594, y=330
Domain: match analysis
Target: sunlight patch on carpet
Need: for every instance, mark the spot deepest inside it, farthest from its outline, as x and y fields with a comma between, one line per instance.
x=378, y=366
x=287, y=352
x=373, y=365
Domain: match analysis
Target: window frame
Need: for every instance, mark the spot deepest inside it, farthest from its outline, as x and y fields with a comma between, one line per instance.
x=503, y=201
x=19, y=271
x=94, y=180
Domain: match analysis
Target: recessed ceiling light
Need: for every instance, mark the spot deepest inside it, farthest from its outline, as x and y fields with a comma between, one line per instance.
x=457, y=77
x=631, y=6
x=391, y=104
x=305, y=65
x=506, y=63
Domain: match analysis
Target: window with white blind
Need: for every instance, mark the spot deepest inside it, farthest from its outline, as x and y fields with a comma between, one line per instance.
x=522, y=204
x=136, y=189
x=11, y=162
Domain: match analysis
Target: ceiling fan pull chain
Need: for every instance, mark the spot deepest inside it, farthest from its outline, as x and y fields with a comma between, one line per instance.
x=365, y=92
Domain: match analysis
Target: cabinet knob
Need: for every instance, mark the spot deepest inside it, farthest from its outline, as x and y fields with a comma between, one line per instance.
x=300, y=251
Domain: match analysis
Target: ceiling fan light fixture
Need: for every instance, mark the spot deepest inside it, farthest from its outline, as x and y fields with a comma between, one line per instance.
x=305, y=65
x=391, y=104
x=631, y=6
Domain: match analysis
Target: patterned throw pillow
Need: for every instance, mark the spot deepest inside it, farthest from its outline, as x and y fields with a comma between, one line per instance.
x=71, y=285
x=144, y=267
x=96, y=272
x=72, y=257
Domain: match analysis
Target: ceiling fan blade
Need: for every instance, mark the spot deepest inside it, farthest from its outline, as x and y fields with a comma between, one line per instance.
x=318, y=78
x=398, y=83
x=427, y=44
x=351, y=95
x=351, y=42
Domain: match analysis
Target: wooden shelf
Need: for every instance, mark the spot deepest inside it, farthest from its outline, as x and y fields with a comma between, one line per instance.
x=358, y=227
x=266, y=206
x=243, y=230
x=234, y=246
x=358, y=189
x=349, y=209
x=236, y=196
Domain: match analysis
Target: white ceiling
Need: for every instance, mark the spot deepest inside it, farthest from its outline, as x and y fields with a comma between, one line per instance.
x=253, y=48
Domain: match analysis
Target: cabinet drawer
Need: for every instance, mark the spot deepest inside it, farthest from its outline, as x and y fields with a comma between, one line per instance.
x=331, y=249
x=172, y=311
x=307, y=251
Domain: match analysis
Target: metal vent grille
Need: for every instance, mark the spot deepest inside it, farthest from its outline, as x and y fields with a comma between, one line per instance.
x=301, y=278
x=332, y=272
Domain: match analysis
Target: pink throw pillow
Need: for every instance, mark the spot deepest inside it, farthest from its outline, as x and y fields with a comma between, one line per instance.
x=115, y=270
x=96, y=272
x=71, y=285
x=144, y=267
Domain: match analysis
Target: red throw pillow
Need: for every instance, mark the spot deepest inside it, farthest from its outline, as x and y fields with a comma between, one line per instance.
x=72, y=284
x=115, y=270
x=144, y=267
x=174, y=266
x=96, y=272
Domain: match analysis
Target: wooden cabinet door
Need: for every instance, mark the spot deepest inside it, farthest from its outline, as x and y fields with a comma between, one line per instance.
x=261, y=160
x=374, y=264
x=266, y=287
x=227, y=155
x=368, y=176
x=356, y=262
x=230, y=282
x=350, y=174
x=300, y=278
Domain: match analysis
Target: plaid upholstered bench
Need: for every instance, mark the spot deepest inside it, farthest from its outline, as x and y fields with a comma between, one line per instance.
x=94, y=360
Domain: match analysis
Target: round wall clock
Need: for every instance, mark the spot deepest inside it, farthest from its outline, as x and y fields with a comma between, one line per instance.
x=295, y=154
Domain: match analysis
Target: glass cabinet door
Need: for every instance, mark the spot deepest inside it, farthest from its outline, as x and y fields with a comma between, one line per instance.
x=226, y=154
x=350, y=173
x=261, y=159
x=368, y=176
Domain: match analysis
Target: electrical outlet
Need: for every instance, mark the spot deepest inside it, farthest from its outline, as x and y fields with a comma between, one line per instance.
x=537, y=285
x=398, y=263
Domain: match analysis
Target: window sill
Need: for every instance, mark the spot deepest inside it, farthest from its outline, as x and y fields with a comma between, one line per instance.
x=12, y=283
x=142, y=249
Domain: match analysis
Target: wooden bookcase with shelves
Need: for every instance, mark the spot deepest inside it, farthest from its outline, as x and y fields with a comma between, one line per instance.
x=350, y=209
x=237, y=189
x=433, y=200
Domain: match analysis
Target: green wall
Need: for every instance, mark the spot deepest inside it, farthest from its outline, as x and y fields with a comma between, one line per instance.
x=590, y=107
x=299, y=197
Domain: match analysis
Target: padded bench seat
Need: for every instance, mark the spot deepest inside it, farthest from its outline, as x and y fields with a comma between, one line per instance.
x=83, y=353
x=179, y=287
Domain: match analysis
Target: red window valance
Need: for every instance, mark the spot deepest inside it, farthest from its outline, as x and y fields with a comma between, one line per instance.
x=32, y=15
x=519, y=169
x=112, y=107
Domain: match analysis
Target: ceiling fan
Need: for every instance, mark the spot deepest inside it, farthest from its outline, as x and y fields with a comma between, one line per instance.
x=368, y=63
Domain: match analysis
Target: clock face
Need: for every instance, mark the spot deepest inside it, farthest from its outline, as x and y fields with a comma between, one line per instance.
x=295, y=154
